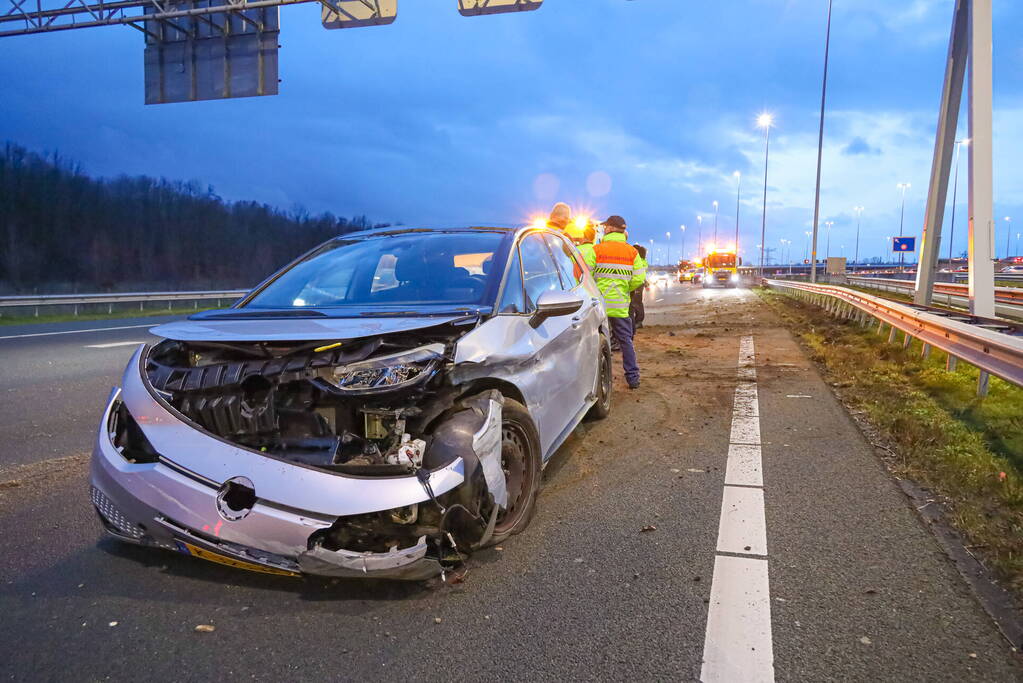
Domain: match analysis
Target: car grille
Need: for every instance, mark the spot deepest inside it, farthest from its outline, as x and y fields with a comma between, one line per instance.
x=109, y=512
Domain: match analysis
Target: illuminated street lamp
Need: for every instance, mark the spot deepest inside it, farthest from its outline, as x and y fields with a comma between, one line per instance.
x=806, y=244
x=683, y=229
x=827, y=248
x=764, y=121
x=668, y=236
x=1008, y=234
x=699, y=236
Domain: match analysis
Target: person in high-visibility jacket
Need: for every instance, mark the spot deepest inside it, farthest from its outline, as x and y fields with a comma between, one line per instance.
x=618, y=269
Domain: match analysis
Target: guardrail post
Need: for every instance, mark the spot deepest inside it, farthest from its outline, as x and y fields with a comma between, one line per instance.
x=141, y=304
x=110, y=308
x=37, y=311
x=76, y=310
x=925, y=352
x=891, y=334
x=951, y=362
x=907, y=340
x=983, y=383
x=880, y=327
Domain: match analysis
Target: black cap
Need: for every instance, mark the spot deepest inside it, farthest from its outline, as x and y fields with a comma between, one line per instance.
x=616, y=222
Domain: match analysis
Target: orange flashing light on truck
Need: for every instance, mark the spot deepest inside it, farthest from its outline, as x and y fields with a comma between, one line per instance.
x=721, y=268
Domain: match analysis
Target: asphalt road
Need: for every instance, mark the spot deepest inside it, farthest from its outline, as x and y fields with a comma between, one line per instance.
x=857, y=587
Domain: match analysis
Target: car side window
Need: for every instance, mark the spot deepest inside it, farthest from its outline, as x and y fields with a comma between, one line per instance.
x=512, y=300
x=571, y=272
x=538, y=270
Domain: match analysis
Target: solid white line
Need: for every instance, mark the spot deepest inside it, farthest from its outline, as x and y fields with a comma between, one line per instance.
x=95, y=329
x=742, y=529
x=743, y=468
x=738, y=645
x=113, y=344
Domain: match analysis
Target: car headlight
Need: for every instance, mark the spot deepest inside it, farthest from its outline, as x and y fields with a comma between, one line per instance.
x=387, y=372
x=735, y=277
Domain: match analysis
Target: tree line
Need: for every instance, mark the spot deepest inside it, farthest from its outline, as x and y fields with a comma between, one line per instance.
x=61, y=229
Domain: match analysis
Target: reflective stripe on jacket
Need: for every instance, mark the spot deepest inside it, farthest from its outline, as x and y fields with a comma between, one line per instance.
x=618, y=269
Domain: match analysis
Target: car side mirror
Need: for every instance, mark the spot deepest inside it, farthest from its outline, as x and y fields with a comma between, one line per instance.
x=554, y=303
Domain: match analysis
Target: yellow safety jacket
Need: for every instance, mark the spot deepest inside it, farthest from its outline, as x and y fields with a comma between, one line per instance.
x=618, y=269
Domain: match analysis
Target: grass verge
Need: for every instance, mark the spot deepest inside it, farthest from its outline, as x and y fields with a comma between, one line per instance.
x=67, y=317
x=967, y=451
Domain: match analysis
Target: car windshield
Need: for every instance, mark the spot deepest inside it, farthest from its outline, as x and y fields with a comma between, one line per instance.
x=720, y=260
x=453, y=268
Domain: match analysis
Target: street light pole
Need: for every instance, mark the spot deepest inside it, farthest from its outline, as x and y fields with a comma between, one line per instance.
x=738, y=185
x=806, y=244
x=764, y=121
x=827, y=248
x=683, y=229
x=668, y=236
x=1008, y=234
x=820, y=151
x=715, y=224
x=859, y=213
x=902, y=219
x=699, y=237
x=955, y=189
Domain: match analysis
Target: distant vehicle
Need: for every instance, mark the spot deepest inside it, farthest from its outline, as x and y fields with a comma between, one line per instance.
x=1012, y=269
x=687, y=275
x=659, y=279
x=721, y=268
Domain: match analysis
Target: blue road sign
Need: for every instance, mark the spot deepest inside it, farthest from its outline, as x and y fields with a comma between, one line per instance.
x=903, y=245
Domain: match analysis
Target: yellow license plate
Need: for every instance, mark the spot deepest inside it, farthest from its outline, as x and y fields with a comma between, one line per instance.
x=209, y=556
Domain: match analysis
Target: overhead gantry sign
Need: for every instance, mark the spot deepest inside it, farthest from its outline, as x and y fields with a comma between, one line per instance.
x=210, y=49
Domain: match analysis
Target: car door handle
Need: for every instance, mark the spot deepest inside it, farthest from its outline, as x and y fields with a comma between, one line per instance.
x=576, y=321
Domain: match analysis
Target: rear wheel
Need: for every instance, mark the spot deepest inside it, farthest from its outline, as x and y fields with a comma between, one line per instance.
x=520, y=460
x=602, y=408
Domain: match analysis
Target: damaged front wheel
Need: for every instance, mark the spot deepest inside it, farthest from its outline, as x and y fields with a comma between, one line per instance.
x=520, y=459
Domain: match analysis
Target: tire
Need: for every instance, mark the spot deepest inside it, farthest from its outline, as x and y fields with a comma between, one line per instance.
x=520, y=458
x=602, y=408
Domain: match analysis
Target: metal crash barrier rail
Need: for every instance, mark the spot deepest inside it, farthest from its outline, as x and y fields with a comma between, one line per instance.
x=994, y=347
x=141, y=298
x=1006, y=295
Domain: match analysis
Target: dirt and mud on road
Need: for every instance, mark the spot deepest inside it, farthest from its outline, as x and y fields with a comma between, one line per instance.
x=613, y=579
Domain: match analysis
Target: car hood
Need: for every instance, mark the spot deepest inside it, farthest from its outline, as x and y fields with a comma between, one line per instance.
x=303, y=329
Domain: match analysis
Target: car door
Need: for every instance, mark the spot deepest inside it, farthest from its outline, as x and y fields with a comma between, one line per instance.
x=584, y=354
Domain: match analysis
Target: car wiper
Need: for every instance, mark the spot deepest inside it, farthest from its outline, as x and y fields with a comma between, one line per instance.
x=286, y=313
x=417, y=314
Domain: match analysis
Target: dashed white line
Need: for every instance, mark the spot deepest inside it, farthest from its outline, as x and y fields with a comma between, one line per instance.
x=95, y=329
x=113, y=344
x=738, y=644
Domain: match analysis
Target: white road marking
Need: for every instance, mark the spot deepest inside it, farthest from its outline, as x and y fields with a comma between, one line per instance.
x=738, y=644
x=95, y=329
x=745, y=429
x=742, y=528
x=113, y=344
x=743, y=468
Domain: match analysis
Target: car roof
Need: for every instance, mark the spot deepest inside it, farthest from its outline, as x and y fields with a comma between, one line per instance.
x=406, y=230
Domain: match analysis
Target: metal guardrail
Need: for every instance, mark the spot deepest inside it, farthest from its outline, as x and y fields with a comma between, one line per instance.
x=140, y=298
x=994, y=347
x=1005, y=295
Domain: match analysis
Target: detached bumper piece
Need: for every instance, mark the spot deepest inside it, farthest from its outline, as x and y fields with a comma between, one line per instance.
x=409, y=564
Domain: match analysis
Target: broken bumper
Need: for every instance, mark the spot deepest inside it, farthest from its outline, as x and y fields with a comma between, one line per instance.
x=168, y=505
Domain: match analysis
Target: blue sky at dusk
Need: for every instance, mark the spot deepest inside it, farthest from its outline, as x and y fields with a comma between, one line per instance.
x=642, y=108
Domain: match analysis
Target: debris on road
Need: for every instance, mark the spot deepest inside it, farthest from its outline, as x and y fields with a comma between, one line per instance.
x=865, y=640
x=437, y=620
x=648, y=527
x=205, y=628
x=112, y=624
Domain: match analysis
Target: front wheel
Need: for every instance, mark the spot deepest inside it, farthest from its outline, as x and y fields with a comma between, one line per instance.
x=602, y=408
x=520, y=460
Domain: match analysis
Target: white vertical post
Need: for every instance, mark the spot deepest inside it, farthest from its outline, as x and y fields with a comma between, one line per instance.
x=981, y=227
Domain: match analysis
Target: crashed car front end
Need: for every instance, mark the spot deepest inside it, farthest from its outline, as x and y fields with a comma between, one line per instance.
x=352, y=458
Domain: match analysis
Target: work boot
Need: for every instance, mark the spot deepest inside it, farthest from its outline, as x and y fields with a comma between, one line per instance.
x=634, y=385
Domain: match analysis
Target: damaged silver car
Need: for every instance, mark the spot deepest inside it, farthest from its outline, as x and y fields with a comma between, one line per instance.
x=382, y=406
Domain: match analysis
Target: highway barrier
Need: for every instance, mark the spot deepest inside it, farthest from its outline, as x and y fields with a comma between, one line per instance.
x=995, y=347
x=77, y=301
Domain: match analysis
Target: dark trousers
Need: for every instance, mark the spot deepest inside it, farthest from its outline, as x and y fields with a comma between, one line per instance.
x=637, y=311
x=622, y=332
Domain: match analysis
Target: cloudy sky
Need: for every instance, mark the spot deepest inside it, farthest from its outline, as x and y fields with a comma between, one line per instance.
x=643, y=108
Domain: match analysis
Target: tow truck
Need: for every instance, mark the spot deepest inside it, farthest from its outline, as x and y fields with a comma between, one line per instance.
x=721, y=268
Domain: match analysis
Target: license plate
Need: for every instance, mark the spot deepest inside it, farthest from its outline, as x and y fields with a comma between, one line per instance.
x=209, y=556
